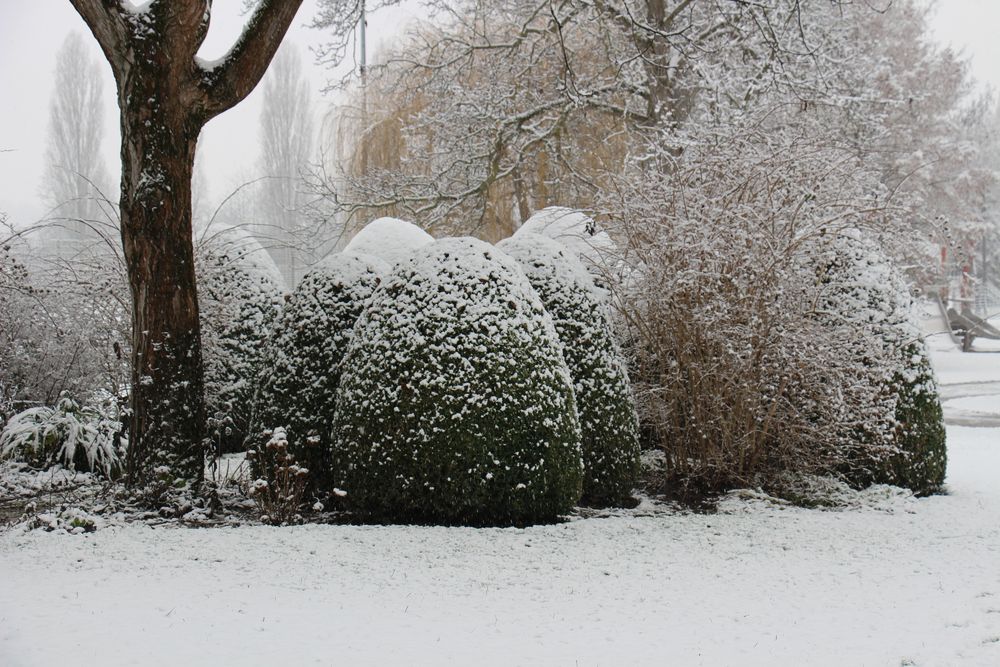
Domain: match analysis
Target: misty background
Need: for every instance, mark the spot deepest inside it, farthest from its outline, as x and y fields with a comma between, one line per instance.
x=32, y=32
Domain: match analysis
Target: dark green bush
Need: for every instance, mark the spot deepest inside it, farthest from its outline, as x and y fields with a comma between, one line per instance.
x=923, y=458
x=455, y=405
x=302, y=362
x=238, y=302
x=902, y=442
x=608, y=422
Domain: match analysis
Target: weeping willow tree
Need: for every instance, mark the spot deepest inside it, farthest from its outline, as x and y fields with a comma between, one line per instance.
x=478, y=151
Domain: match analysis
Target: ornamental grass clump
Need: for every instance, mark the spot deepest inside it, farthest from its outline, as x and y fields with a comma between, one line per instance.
x=302, y=362
x=80, y=437
x=455, y=405
x=606, y=409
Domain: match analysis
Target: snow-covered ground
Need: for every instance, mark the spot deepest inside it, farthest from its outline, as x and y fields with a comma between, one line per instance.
x=899, y=581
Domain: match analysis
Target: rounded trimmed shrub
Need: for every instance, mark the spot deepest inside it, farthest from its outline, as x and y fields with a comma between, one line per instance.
x=239, y=302
x=390, y=239
x=302, y=366
x=455, y=405
x=605, y=406
x=575, y=230
x=922, y=461
x=866, y=291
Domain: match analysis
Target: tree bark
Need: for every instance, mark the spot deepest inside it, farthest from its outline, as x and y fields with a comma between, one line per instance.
x=166, y=96
x=168, y=410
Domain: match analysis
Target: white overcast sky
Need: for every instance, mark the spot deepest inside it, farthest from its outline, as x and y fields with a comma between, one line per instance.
x=31, y=31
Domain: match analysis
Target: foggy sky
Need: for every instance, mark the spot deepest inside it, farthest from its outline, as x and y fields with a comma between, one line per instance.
x=31, y=32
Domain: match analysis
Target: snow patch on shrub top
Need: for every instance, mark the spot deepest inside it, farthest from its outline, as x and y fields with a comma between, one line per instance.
x=335, y=262
x=239, y=244
x=574, y=229
x=608, y=421
x=302, y=364
x=390, y=239
x=456, y=405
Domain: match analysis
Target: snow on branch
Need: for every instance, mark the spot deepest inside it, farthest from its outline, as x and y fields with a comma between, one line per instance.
x=232, y=79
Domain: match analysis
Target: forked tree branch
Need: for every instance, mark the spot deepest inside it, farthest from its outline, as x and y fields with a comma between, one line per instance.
x=231, y=80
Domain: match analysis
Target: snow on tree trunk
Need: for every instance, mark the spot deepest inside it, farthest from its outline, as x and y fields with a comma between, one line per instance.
x=168, y=409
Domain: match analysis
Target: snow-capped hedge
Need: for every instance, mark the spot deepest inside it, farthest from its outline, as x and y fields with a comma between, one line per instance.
x=302, y=362
x=608, y=421
x=390, y=239
x=574, y=229
x=455, y=405
x=923, y=460
x=241, y=245
x=238, y=302
x=865, y=290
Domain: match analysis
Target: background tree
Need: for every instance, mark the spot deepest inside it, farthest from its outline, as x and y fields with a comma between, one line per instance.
x=75, y=180
x=166, y=95
x=496, y=109
x=730, y=138
x=286, y=141
x=920, y=122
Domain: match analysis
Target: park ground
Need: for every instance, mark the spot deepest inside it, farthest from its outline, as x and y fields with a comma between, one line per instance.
x=888, y=579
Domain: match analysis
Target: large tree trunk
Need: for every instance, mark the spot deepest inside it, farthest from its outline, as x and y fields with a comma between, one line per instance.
x=166, y=95
x=168, y=408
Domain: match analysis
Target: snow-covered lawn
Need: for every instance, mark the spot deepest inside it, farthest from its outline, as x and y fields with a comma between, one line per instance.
x=899, y=581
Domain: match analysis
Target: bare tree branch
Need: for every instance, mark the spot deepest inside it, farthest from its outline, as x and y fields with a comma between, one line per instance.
x=229, y=81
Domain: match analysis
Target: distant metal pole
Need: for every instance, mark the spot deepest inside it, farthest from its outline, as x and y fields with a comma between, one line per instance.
x=363, y=29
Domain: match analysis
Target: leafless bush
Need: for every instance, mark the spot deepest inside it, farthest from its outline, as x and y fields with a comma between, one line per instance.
x=737, y=374
x=64, y=325
x=279, y=497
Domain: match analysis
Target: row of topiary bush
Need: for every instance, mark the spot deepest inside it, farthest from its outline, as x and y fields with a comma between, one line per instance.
x=477, y=386
x=408, y=416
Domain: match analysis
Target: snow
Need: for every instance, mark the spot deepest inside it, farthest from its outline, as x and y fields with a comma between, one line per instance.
x=140, y=8
x=574, y=229
x=389, y=239
x=209, y=66
x=239, y=244
x=339, y=262
x=899, y=581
